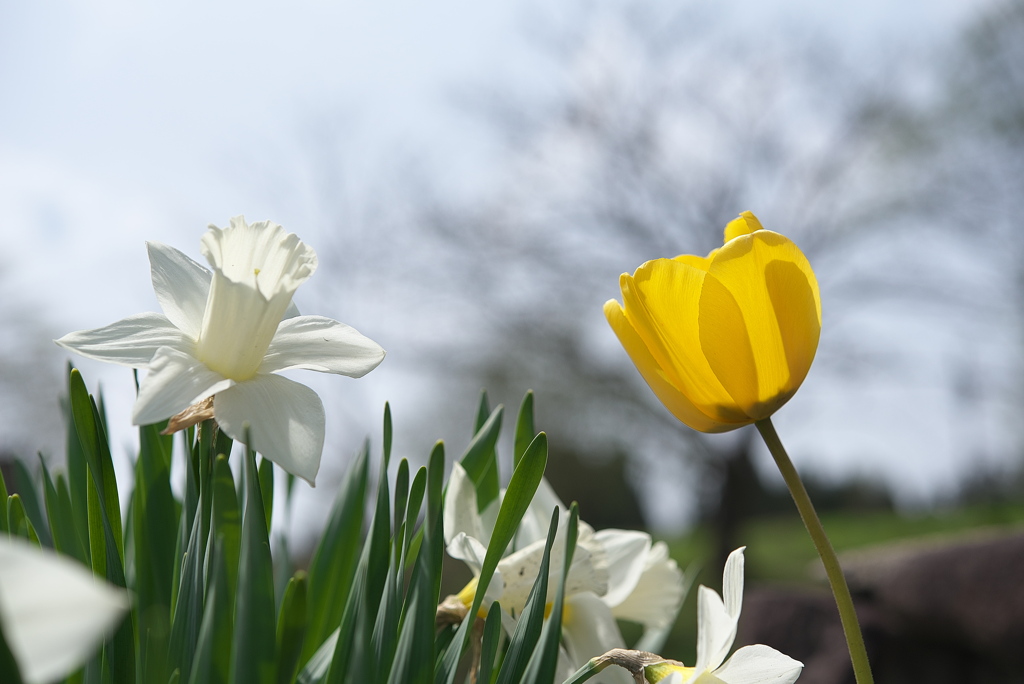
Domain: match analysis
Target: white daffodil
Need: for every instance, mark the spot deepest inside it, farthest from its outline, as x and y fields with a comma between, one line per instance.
x=224, y=335
x=54, y=612
x=716, y=630
x=615, y=574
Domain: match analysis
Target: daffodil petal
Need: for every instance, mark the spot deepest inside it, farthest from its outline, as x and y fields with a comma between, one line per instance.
x=732, y=583
x=460, y=513
x=286, y=420
x=753, y=278
x=626, y=554
x=54, y=611
x=321, y=344
x=132, y=341
x=181, y=286
x=759, y=664
x=674, y=400
x=471, y=552
x=175, y=381
x=716, y=630
x=589, y=630
x=534, y=525
x=658, y=594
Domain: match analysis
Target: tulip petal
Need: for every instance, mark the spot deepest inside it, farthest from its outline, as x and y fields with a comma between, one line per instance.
x=286, y=420
x=55, y=612
x=674, y=400
x=175, y=381
x=759, y=664
x=132, y=341
x=321, y=344
x=740, y=329
x=181, y=286
x=745, y=224
x=662, y=301
x=589, y=630
x=626, y=554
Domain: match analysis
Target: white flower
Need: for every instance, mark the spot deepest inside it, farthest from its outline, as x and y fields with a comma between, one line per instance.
x=225, y=334
x=615, y=574
x=54, y=612
x=716, y=630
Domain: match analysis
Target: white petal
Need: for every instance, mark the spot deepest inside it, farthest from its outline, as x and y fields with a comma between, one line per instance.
x=460, y=507
x=175, y=381
x=626, y=553
x=759, y=664
x=658, y=594
x=55, y=612
x=534, y=526
x=469, y=550
x=589, y=630
x=132, y=341
x=321, y=344
x=732, y=583
x=181, y=286
x=716, y=630
x=262, y=254
x=286, y=420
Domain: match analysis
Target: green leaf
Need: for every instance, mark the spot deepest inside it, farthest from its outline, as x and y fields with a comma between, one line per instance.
x=521, y=488
x=267, y=488
x=253, y=649
x=544, y=661
x=524, y=428
x=334, y=563
x=188, y=606
x=21, y=526
x=211, y=664
x=387, y=433
x=227, y=521
x=74, y=543
x=316, y=669
x=481, y=461
x=154, y=524
x=27, y=489
x=531, y=620
x=291, y=628
x=63, y=530
x=489, y=643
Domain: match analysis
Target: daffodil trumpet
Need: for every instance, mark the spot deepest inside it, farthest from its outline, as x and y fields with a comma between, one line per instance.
x=724, y=341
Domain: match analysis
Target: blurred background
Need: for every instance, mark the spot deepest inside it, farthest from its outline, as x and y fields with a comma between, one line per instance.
x=474, y=178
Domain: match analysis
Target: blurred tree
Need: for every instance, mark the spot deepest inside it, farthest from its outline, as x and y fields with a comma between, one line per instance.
x=656, y=138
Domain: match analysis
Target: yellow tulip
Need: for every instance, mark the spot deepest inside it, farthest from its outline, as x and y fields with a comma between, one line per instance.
x=723, y=340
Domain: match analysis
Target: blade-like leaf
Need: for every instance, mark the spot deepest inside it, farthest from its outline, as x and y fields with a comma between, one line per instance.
x=524, y=428
x=480, y=459
x=253, y=648
x=291, y=628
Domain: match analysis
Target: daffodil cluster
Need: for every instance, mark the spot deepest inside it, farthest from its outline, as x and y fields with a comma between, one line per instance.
x=615, y=574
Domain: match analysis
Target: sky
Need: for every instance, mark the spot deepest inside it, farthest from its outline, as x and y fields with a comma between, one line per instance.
x=124, y=122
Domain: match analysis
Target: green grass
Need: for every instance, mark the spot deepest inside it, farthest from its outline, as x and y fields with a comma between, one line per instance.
x=780, y=550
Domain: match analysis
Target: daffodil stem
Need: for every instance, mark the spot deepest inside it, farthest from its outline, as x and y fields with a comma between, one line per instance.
x=847, y=612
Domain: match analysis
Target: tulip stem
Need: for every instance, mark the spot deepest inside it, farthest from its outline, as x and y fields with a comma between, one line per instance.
x=847, y=613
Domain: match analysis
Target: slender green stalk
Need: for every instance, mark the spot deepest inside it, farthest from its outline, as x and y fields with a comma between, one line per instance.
x=847, y=613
